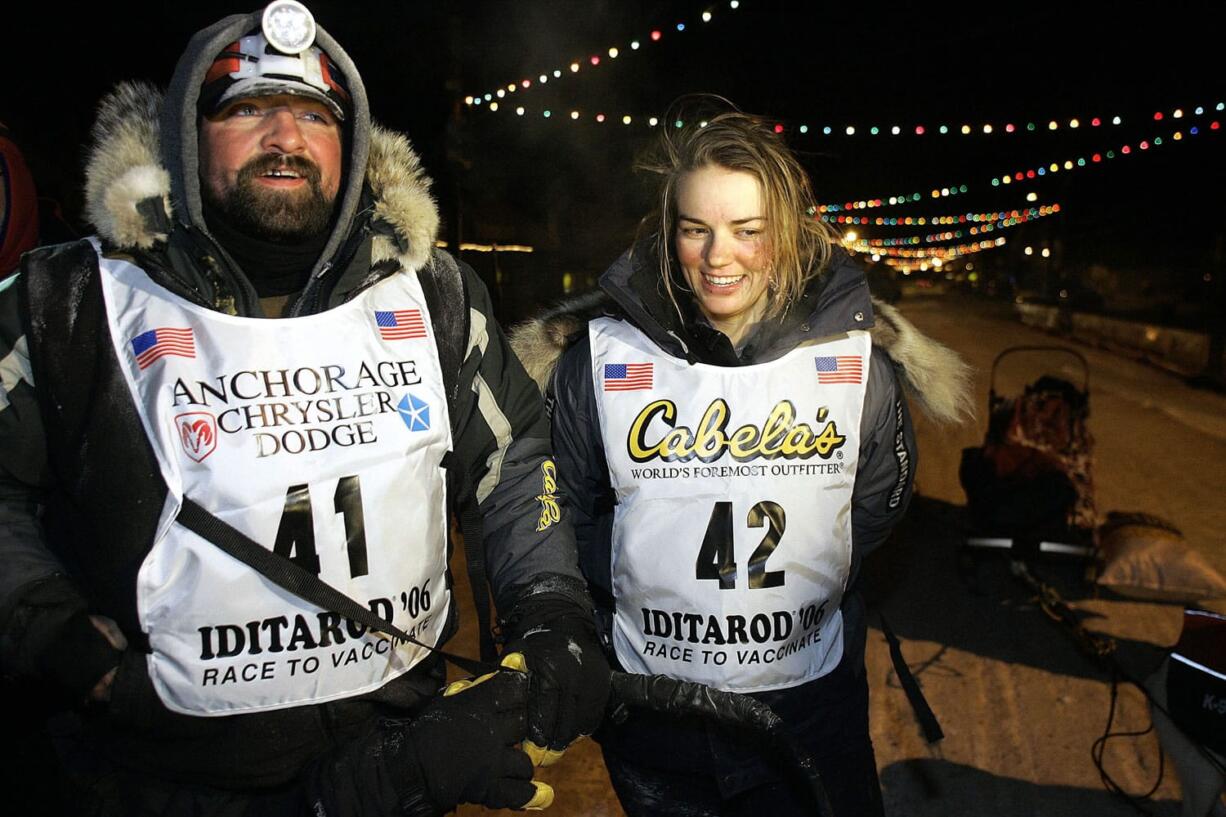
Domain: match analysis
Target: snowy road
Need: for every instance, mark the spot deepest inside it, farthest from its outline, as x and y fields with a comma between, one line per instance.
x=1020, y=705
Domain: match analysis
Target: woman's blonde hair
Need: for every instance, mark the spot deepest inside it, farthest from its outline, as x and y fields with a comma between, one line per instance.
x=797, y=242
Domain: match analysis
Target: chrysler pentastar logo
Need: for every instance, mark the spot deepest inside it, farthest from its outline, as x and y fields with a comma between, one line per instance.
x=197, y=433
x=414, y=412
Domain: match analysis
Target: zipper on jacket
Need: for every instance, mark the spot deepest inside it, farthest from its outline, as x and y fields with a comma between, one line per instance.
x=308, y=302
x=689, y=356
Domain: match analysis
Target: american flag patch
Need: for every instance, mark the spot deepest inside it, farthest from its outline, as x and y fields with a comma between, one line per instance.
x=163, y=342
x=627, y=376
x=839, y=369
x=400, y=324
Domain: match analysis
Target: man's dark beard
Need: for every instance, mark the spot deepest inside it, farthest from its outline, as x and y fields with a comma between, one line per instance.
x=275, y=215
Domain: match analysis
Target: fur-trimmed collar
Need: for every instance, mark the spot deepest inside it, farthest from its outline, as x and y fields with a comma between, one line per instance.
x=935, y=377
x=124, y=170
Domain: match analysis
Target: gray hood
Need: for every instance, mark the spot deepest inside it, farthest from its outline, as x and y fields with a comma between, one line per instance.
x=131, y=198
x=180, y=121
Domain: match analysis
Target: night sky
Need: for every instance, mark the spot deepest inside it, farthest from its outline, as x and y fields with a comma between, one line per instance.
x=567, y=187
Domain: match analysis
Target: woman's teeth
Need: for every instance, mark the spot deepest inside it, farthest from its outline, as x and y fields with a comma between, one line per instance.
x=722, y=281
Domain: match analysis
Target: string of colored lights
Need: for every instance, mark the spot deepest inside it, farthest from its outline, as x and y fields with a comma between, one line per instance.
x=924, y=252
x=490, y=98
x=1010, y=219
x=892, y=201
x=1005, y=221
x=803, y=128
x=923, y=221
x=986, y=129
x=838, y=130
x=907, y=264
x=942, y=254
x=989, y=128
x=1022, y=175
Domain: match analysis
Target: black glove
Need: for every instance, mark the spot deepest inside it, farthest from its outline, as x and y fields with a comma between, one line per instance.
x=568, y=672
x=51, y=638
x=464, y=747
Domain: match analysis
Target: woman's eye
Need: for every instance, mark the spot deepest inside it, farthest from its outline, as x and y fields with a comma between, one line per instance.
x=693, y=232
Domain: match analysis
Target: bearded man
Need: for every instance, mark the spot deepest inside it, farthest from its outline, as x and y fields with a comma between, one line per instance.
x=182, y=480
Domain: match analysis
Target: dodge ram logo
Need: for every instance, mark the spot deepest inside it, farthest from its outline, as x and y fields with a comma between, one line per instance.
x=198, y=434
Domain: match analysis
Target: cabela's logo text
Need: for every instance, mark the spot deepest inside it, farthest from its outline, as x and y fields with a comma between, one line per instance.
x=780, y=436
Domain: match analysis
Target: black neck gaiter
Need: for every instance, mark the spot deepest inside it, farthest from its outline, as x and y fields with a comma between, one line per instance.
x=273, y=268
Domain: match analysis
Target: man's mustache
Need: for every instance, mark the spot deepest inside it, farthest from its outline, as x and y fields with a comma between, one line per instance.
x=262, y=165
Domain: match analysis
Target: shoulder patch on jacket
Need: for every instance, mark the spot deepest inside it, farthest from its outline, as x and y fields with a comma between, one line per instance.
x=550, y=511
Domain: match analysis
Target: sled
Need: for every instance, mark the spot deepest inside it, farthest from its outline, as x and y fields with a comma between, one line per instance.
x=1030, y=486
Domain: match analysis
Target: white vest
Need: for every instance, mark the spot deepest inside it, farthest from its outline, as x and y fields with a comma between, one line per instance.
x=320, y=437
x=732, y=530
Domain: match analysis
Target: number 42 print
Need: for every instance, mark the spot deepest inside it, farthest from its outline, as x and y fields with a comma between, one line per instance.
x=716, y=559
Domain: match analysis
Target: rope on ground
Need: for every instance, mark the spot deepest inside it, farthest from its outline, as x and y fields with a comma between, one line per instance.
x=1102, y=648
x=1100, y=745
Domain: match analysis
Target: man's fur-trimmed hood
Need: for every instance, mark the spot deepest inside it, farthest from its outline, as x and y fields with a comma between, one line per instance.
x=935, y=377
x=128, y=190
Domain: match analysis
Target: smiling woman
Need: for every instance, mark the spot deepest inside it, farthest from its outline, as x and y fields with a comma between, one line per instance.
x=720, y=246
x=732, y=444
x=733, y=224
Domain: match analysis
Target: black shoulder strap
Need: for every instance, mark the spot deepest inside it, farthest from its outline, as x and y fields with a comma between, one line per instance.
x=301, y=583
x=915, y=696
x=447, y=298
